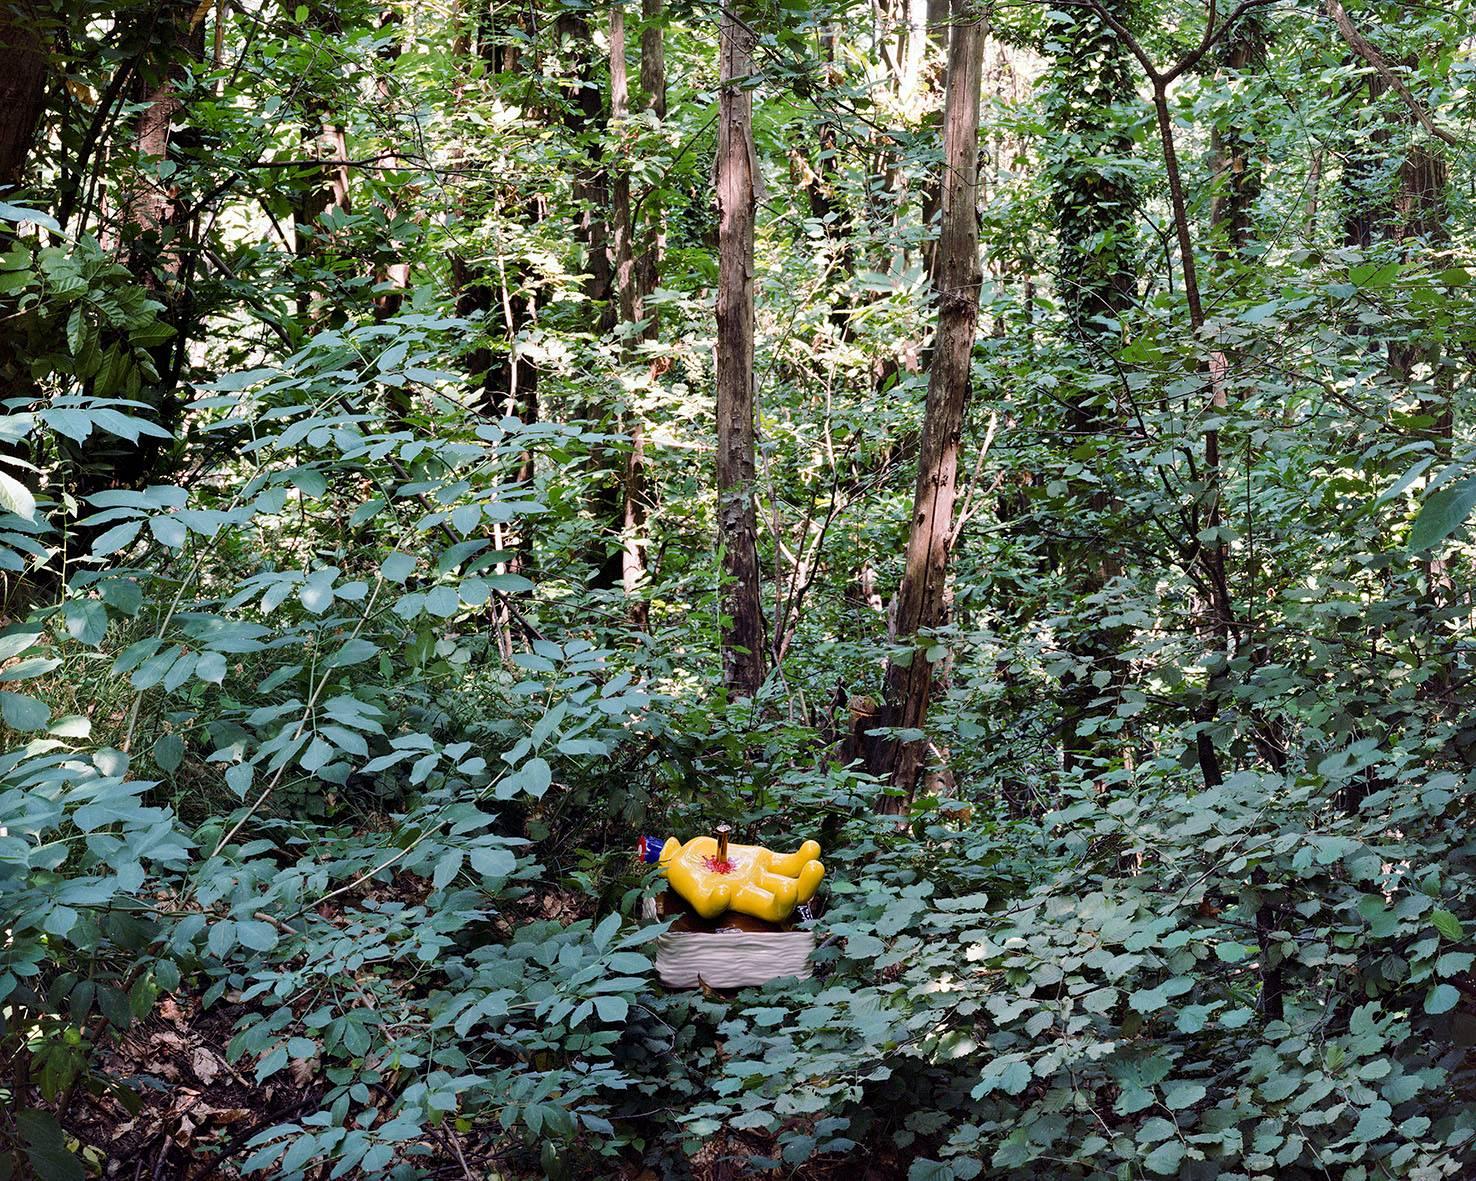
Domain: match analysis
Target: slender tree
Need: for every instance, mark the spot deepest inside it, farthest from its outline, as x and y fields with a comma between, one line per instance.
x=630, y=512
x=922, y=597
x=1235, y=154
x=325, y=139
x=22, y=100
x=743, y=622
x=156, y=233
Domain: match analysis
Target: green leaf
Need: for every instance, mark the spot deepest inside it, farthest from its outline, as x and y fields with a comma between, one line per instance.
x=169, y=753
x=1442, y=998
x=1447, y=924
x=535, y=777
x=1165, y=1158
x=46, y=1147
x=23, y=713
x=116, y=538
x=447, y=868
x=222, y=938
x=493, y=861
x=612, y=1009
x=1443, y=512
x=396, y=567
x=923, y=1169
x=17, y=642
x=86, y=620
x=257, y=935
x=356, y=651
x=238, y=778
x=16, y=498
x=1183, y=1094
x=211, y=668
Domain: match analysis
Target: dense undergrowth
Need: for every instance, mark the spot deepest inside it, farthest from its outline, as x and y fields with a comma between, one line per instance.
x=328, y=732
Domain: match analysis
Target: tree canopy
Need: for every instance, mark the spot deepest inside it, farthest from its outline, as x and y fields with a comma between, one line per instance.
x=1025, y=447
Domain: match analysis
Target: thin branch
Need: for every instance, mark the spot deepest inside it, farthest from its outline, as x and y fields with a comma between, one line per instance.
x=1360, y=45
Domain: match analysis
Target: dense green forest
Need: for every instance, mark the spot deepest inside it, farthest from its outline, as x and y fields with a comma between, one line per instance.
x=1023, y=445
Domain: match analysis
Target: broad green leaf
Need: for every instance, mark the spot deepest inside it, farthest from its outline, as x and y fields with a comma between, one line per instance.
x=16, y=498
x=492, y=861
x=1442, y=998
x=211, y=668
x=169, y=753
x=1443, y=512
x=23, y=713
x=87, y=621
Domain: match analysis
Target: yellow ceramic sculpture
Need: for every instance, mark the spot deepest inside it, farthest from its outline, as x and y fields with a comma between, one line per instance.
x=714, y=876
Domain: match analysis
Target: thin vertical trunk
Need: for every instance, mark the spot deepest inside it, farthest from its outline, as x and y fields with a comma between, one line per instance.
x=22, y=87
x=1235, y=158
x=394, y=275
x=584, y=119
x=652, y=230
x=653, y=57
x=743, y=622
x=631, y=519
x=324, y=140
x=499, y=291
x=22, y=98
x=1218, y=615
x=922, y=598
x=157, y=234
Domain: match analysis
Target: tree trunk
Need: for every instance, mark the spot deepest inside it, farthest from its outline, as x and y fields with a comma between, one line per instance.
x=1094, y=206
x=394, y=274
x=922, y=598
x=652, y=229
x=324, y=140
x=1235, y=158
x=22, y=89
x=743, y=622
x=653, y=57
x=630, y=522
x=156, y=235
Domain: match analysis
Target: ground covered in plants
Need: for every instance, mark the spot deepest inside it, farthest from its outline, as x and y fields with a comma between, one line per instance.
x=1026, y=448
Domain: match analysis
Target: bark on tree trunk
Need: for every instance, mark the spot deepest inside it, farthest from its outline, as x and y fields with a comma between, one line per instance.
x=630, y=521
x=504, y=380
x=159, y=252
x=22, y=98
x=1236, y=163
x=743, y=623
x=325, y=140
x=1094, y=206
x=922, y=598
x=22, y=88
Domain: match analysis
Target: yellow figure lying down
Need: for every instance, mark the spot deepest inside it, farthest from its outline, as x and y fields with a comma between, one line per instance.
x=714, y=876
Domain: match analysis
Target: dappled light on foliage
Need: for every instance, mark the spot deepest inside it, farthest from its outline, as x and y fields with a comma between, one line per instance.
x=1023, y=451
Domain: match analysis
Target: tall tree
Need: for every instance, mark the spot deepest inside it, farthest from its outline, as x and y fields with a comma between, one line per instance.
x=1235, y=155
x=743, y=621
x=1094, y=206
x=630, y=511
x=22, y=86
x=156, y=232
x=325, y=139
x=922, y=596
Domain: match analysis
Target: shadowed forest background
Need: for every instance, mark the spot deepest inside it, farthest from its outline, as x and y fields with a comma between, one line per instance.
x=1025, y=447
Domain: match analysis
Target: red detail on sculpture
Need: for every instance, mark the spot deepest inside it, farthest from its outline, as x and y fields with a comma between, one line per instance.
x=717, y=865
